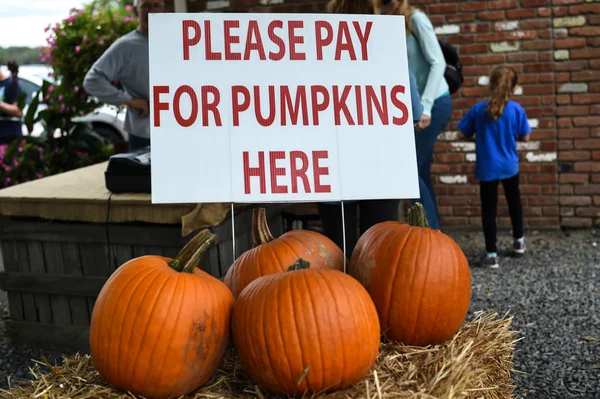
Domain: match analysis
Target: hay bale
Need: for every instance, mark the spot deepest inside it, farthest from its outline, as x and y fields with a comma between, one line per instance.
x=477, y=363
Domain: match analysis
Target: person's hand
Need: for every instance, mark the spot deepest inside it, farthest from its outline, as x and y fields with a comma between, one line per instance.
x=424, y=122
x=141, y=106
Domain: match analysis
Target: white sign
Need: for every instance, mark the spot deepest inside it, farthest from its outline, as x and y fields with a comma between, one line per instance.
x=252, y=108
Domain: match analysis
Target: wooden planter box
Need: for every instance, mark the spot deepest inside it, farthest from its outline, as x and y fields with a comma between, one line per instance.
x=61, y=237
x=53, y=271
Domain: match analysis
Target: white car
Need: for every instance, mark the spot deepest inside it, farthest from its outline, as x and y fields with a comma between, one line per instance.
x=107, y=121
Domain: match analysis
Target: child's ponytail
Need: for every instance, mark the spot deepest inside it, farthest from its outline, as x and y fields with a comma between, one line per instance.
x=503, y=81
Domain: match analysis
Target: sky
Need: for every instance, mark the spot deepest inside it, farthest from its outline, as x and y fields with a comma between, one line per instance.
x=23, y=24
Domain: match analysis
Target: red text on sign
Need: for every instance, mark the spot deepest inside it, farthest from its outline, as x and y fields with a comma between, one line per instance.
x=294, y=164
x=209, y=102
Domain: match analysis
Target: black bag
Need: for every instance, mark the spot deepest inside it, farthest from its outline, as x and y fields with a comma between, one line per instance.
x=453, y=74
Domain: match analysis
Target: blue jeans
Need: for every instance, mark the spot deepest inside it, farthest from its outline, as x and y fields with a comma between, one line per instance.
x=425, y=141
x=136, y=142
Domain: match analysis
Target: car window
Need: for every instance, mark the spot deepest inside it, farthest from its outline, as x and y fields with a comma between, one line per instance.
x=28, y=87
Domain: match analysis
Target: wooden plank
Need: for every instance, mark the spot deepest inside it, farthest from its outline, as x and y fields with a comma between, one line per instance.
x=73, y=267
x=94, y=259
x=49, y=336
x=59, y=304
x=15, y=300
x=49, y=284
x=30, y=312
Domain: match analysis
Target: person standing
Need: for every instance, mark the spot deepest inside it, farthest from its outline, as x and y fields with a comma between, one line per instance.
x=127, y=61
x=10, y=113
x=496, y=124
x=427, y=62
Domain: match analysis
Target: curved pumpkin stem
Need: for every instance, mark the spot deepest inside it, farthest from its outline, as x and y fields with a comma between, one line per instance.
x=416, y=216
x=187, y=259
x=260, y=229
x=299, y=265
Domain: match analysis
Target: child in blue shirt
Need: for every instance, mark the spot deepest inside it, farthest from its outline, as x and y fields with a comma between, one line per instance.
x=498, y=123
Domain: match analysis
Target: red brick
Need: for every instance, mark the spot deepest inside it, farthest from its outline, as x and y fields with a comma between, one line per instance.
x=534, y=3
x=529, y=211
x=463, y=190
x=543, y=200
x=521, y=13
x=575, y=200
x=595, y=132
x=523, y=57
x=566, y=189
x=566, y=2
x=573, y=133
x=450, y=158
x=562, y=77
x=547, y=190
x=594, y=87
x=596, y=155
x=443, y=8
x=573, y=111
x=474, y=48
x=537, y=45
x=454, y=220
x=550, y=211
x=530, y=168
x=585, y=9
x=587, y=98
x=595, y=109
x=475, y=28
x=589, y=212
x=593, y=20
x=530, y=78
x=584, y=53
x=576, y=222
x=567, y=211
x=589, y=144
x=490, y=15
x=572, y=156
x=571, y=65
x=540, y=112
x=585, y=31
x=588, y=189
x=596, y=178
x=596, y=200
x=538, y=67
x=559, y=11
x=593, y=41
x=577, y=178
x=474, y=91
x=521, y=35
x=492, y=37
x=456, y=200
x=585, y=76
x=563, y=99
x=565, y=145
x=572, y=42
x=457, y=18
x=548, y=167
x=473, y=6
x=565, y=122
x=543, y=221
x=542, y=178
x=538, y=89
x=475, y=70
x=502, y=4
x=586, y=167
x=528, y=189
x=544, y=12
x=595, y=64
x=490, y=59
x=587, y=121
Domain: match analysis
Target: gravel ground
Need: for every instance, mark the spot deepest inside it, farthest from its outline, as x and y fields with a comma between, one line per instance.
x=553, y=293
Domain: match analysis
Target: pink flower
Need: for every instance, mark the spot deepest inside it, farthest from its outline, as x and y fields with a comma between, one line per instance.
x=7, y=181
x=70, y=19
x=47, y=28
x=128, y=8
x=15, y=162
x=62, y=108
x=50, y=88
x=60, y=97
x=47, y=97
x=77, y=49
x=101, y=42
x=38, y=176
x=76, y=88
x=128, y=19
x=85, y=37
x=56, y=149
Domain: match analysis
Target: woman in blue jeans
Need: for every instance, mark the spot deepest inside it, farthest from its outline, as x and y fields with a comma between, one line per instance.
x=427, y=63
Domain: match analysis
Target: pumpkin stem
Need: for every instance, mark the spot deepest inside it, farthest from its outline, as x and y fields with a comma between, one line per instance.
x=187, y=259
x=299, y=265
x=260, y=229
x=416, y=216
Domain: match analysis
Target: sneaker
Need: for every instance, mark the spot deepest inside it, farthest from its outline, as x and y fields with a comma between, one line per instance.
x=492, y=262
x=519, y=248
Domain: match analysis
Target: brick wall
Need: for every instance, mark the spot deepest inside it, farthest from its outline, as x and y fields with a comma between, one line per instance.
x=554, y=46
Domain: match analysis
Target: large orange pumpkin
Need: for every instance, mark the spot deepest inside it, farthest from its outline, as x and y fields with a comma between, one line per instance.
x=161, y=326
x=273, y=255
x=418, y=277
x=305, y=330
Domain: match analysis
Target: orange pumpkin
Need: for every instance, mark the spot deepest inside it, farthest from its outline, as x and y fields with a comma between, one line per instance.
x=273, y=255
x=305, y=330
x=161, y=326
x=418, y=277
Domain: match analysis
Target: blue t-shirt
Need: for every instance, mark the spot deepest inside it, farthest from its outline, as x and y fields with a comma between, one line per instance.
x=496, y=148
x=9, y=93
